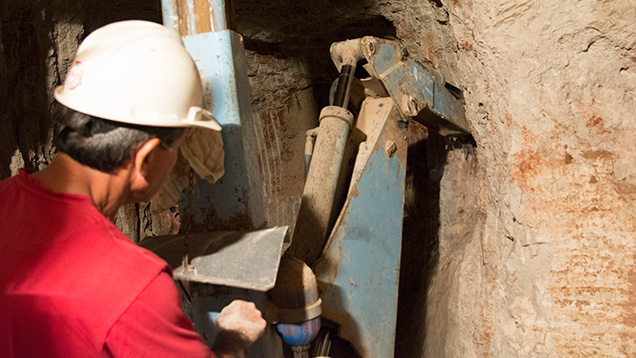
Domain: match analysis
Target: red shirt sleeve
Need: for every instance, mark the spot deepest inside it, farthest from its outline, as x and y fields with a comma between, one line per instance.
x=155, y=326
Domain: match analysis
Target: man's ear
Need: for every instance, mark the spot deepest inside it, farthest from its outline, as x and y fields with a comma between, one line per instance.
x=141, y=159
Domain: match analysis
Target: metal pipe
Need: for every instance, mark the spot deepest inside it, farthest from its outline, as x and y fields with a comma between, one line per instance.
x=312, y=226
x=319, y=195
x=341, y=98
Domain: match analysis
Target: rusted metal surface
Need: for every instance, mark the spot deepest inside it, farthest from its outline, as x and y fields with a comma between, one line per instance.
x=359, y=268
x=418, y=93
x=236, y=201
x=191, y=17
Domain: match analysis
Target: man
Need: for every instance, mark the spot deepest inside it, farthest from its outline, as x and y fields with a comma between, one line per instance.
x=72, y=285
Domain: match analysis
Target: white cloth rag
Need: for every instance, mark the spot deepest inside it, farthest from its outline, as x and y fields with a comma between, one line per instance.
x=202, y=151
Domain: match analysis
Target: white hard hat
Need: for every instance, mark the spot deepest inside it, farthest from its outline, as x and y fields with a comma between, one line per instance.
x=136, y=72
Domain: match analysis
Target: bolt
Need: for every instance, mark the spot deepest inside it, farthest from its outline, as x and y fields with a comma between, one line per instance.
x=412, y=107
x=371, y=47
x=390, y=148
x=404, y=53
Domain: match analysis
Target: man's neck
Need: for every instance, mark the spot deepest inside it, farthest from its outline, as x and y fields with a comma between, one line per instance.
x=106, y=190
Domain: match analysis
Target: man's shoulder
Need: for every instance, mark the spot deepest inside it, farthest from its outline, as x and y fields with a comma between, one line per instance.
x=83, y=281
x=11, y=181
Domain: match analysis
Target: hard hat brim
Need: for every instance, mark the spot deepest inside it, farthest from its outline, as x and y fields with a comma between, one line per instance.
x=197, y=116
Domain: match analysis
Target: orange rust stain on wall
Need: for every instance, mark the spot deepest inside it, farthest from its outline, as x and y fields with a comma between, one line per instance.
x=431, y=50
x=594, y=121
x=527, y=162
x=597, y=124
x=464, y=44
x=629, y=307
x=508, y=120
x=483, y=338
x=525, y=165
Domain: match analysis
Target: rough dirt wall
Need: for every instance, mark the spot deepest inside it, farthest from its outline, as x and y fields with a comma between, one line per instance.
x=38, y=40
x=36, y=45
x=536, y=240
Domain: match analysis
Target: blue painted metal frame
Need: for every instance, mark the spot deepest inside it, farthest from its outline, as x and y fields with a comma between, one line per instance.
x=406, y=80
x=418, y=93
x=235, y=202
x=359, y=269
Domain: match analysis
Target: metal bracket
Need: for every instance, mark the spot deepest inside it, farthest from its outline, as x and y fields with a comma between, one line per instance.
x=417, y=92
x=359, y=268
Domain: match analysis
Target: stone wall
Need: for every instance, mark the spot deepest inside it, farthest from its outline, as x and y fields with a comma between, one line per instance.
x=38, y=40
x=537, y=239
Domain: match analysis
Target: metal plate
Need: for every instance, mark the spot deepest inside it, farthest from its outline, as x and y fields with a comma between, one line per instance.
x=247, y=259
x=359, y=270
x=236, y=200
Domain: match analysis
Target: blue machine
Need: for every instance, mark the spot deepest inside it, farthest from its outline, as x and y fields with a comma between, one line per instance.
x=354, y=250
x=358, y=264
x=236, y=201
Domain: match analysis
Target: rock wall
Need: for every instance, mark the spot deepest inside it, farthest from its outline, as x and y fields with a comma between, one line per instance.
x=38, y=40
x=536, y=244
x=33, y=52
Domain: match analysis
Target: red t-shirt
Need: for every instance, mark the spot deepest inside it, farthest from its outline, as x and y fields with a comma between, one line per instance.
x=73, y=285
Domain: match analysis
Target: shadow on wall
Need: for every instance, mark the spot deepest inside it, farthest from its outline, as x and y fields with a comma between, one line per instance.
x=25, y=45
x=32, y=37
x=426, y=160
x=306, y=30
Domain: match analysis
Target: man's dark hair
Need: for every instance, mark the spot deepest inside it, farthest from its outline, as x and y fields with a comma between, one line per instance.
x=102, y=144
